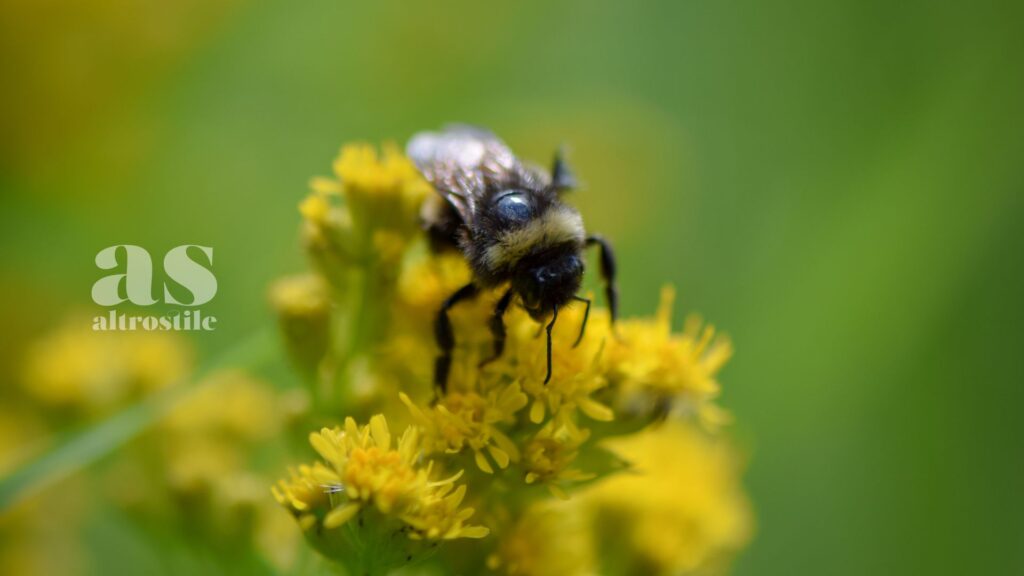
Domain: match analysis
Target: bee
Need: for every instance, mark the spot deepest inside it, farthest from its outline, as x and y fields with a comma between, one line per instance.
x=509, y=221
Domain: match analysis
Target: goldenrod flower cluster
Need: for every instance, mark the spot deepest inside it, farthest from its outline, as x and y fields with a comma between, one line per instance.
x=536, y=470
x=682, y=502
x=363, y=473
x=191, y=473
x=87, y=373
x=68, y=377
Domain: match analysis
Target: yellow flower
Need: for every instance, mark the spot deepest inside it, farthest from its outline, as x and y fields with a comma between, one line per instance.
x=300, y=296
x=681, y=510
x=90, y=372
x=363, y=172
x=361, y=469
x=461, y=420
x=327, y=232
x=304, y=314
x=651, y=367
x=367, y=214
x=302, y=494
x=362, y=464
x=316, y=209
x=576, y=373
x=370, y=210
x=207, y=443
x=439, y=517
x=230, y=404
x=549, y=454
x=424, y=284
x=549, y=539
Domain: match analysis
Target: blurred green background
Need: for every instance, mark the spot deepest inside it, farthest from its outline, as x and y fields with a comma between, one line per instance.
x=836, y=185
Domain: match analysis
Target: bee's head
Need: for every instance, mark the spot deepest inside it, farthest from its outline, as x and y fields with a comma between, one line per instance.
x=549, y=282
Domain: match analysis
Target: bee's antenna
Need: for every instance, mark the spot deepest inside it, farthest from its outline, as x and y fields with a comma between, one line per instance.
x=554, y=316
x=586, y=314
x=562, y=177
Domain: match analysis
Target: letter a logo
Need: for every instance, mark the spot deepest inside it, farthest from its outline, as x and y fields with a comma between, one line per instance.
x=136, y=280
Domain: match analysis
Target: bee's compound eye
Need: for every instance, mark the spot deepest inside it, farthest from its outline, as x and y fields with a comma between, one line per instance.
x=514, y=207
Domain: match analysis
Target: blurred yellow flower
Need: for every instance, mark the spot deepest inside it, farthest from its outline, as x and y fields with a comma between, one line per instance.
x=423, y=284
x=88, y=372
x=549, y=539
x=31, y=531
x=681, y=510
x=361, y=171
x=208, y=437
x=369, y=211
x=303, y=309
x=315, y=208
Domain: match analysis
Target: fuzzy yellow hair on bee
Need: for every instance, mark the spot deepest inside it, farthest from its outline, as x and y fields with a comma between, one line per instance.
x=559, y=225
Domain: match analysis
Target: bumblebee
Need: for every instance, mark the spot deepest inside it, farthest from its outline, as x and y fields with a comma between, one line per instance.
x=508, y=220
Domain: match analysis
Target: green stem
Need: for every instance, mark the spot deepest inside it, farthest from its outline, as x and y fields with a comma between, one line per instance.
x=365, y=304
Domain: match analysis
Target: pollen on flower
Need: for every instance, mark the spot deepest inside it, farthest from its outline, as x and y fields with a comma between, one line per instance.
x=362, y=461
x=469, y=420
x=577, y=373
x=363, y=469
x=650, y=365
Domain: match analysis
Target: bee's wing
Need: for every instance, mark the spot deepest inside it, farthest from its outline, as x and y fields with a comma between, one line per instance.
x=459, y=162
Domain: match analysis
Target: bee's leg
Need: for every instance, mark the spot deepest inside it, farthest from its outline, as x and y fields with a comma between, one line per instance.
x=611, y=291
x=444, y=336
x=498, y=327
x=586, y=315
x=554, y=316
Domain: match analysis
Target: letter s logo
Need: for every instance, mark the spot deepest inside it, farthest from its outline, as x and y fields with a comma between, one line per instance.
x=190, y=274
